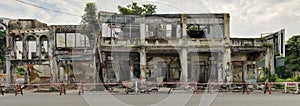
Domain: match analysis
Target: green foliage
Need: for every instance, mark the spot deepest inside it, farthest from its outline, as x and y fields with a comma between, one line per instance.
x=21, y=71
x=193, y=27
x=278, y=86
x=135, y=9
x=89, y=24
x=292, y=56
x=294, y=79
x=263, y=78
x=268, y=76
x=268, y=44
x=2, y=46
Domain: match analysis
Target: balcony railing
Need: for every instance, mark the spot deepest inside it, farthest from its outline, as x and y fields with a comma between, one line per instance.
x=246, y=42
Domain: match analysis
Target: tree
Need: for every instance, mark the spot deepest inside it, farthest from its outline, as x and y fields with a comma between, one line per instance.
x=89, y=24
x=135, y=9
x=292, y=56
x=2, y=46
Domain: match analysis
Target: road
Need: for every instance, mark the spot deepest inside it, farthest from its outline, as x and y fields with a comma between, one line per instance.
x=157, y=99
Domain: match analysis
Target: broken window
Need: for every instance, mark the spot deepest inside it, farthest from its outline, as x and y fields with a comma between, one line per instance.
x=44, y=46
x=18, y=47
x=205, y=30
x=196, y=30
x=60, y=39
x=31, y=45
x=169, y=30
x=72, y=40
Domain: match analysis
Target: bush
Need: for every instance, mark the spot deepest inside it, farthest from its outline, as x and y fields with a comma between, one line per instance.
x=279, y=86
x=296, y=79
x=262, y=79
x=21, y=71
x=273, y=78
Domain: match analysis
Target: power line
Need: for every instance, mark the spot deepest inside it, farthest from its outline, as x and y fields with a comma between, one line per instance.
x=47, y=8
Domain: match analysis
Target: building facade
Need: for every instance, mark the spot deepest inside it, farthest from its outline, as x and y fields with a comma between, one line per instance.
x=157, y=48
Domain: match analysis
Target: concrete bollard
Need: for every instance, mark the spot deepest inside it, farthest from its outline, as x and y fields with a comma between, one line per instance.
x=127, y=88
x=62, y=89
x=81, y=90
x=148, y=88
x=209, y=88
x=18, y=88
x=245, y=88
x=196, y=88
x=1, y=90
x=268, y=87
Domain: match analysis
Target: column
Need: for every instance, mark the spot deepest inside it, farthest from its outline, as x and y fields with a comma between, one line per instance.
x=53, y=67
x=183, y=52
x=227, y=64
x=142, y=31
x=272, y=61
x=267, y=58
x=245, y=70
x=58, y=72
x=184, y=66
x=38, y=47
x=8, y=71
x=143, y=64
x=226, y=26
x=183, y=41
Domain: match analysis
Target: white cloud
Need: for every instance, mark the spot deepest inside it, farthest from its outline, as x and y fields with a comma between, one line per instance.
x=249, y=18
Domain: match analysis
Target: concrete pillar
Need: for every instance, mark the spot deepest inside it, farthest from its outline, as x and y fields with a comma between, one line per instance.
x=272, y=62
x=8, y=71
x=226, y=64
x=58, y=72
x=184, y=66
x=143, y=64
x=38, y=47
x=183, y=25
x=226, y=26
x=183, y=30
x=95, y=68
x=117, y=69
x=183, y=52
x=227, y=52
x=255, y=73
x=142, y=31
x=269, y=60
x=245, y=70
x=54, y=69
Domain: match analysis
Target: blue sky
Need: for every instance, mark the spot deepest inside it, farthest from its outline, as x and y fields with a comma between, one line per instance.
x=249, y=18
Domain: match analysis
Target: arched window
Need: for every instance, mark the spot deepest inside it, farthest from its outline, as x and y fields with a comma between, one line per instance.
x=18, y=46
x=31, y=47
x=44, y=46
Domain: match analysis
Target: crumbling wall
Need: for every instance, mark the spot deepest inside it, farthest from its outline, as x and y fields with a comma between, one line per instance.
x=23, y=24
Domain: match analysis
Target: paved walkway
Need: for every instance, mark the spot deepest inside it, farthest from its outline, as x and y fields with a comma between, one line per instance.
x=156, y=99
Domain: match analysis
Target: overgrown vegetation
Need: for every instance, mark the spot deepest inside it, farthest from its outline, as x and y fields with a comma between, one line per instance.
x=89, y=24
x=2, y=46
x=135, y=9
x=20, y=71
x=292, y=56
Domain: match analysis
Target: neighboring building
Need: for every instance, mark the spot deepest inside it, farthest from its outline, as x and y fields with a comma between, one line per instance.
x=158, y=47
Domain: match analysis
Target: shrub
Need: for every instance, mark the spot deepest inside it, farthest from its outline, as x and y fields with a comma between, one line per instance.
x=21, y=71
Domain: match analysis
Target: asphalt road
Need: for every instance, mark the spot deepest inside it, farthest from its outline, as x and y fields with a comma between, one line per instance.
x=161, y=99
